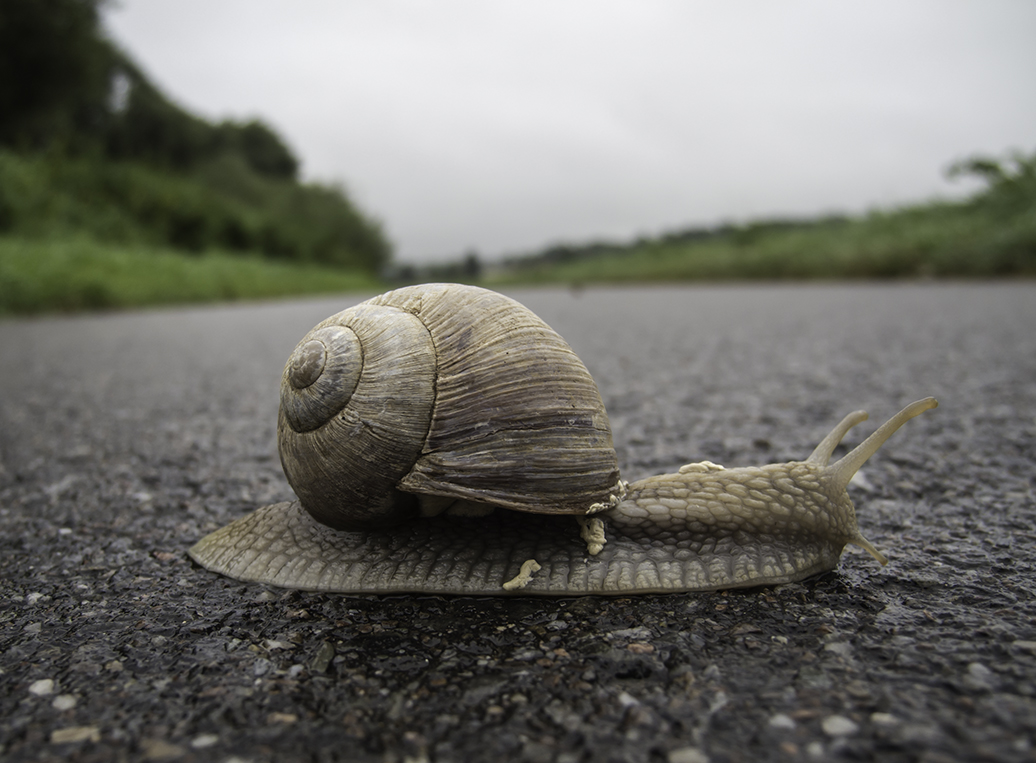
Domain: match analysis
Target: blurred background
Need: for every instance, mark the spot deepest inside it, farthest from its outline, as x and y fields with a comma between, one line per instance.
x=155, y=151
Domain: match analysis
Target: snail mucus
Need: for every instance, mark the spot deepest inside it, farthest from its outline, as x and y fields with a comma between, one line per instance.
x=443, y=439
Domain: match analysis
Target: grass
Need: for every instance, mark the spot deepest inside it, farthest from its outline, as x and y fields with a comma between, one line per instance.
x=87, y=233
x=935, y=241
x=80, y=274
x=992, y=235
x=62, y=264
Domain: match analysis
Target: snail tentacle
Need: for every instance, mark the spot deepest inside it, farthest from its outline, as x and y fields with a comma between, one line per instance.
x=821, y=455
x=843, y=470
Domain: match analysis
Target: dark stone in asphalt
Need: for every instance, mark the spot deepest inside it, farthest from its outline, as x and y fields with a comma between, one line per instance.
x=124, y=438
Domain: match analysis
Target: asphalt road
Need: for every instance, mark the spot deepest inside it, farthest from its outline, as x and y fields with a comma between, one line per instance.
x=124, y=438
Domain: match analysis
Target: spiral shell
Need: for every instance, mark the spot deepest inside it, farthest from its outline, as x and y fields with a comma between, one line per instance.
x=440, y=390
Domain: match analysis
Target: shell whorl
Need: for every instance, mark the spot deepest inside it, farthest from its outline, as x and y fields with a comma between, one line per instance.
x=440, y=390
x=349, y=436
x=320, y=377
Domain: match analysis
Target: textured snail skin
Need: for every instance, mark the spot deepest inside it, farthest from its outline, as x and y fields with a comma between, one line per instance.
x=702, y=528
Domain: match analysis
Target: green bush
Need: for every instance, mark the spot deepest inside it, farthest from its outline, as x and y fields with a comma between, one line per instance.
x=99, y=172
x=222, y=204
x=54, y=73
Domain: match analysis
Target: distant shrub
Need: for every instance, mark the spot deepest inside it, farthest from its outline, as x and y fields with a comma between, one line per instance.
x=991, y=235
x=221, y=204
x=54, y=73
x=1010, y=182
x=92, y=146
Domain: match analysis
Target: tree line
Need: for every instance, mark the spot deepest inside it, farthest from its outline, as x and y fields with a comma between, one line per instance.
x=73, y=103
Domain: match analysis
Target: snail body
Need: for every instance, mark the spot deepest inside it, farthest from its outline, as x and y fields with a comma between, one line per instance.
x=443, y=439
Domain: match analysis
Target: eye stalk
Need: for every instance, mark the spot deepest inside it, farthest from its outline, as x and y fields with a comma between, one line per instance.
x=843, y=470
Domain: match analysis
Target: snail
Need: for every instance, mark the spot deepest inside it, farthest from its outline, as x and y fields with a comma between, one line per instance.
x=443, y=439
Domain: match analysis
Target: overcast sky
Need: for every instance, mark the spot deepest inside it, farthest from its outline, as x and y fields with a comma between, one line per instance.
x=504, y=126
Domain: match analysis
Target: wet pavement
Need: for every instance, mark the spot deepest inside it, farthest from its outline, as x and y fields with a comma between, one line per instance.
x=124, y=438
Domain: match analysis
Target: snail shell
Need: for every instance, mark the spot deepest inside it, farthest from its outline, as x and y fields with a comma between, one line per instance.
x=441, y=438
x=427, y=395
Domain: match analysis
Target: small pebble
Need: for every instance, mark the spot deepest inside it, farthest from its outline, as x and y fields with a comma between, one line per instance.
x=75, y=734
x=323, y=658
x=860, y=480
x=782, y=721
x=838, y=726
x=979, y=677
x=687, y=755
x=63, y=702
x=42, y=688
x=842, y=648
x=884, y=719
x=159, y=749
x=202, y=741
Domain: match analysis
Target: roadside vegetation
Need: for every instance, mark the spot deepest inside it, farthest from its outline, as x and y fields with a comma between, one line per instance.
x=991, y=235
x=111, y=195
x=72, y=274
x=220, y=203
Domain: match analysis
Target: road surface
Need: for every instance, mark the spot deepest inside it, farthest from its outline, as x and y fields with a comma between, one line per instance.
x=126, y=437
